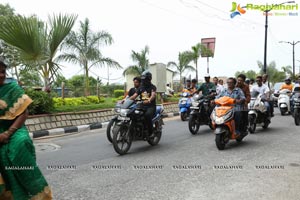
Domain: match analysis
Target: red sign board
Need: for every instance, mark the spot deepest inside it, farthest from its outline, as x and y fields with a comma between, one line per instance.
x=209, y=43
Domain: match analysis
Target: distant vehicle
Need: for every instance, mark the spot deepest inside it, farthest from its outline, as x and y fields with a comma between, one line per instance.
x=10, y=79
x=275, y=94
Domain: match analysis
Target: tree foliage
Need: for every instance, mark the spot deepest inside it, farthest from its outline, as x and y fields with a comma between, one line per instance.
x=141, y=62
x=82, y=48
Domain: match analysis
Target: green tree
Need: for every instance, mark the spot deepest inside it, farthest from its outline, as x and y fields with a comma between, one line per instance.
x=82, y=48
x=141, y=62
x=6, y=10
x=30, y=78
x=58, y=81
x=7, y=52
x=249, y=74
x=182, y=65
x=288, y=71
x=77, y=84
x=38, y=42
x=196, y=53
x=274, y=74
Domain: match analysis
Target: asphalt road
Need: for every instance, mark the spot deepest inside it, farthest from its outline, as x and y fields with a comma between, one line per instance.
x=266, y=165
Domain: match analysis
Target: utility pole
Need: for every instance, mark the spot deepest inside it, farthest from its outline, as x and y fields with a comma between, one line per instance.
x=293, y=44
x=266, y=33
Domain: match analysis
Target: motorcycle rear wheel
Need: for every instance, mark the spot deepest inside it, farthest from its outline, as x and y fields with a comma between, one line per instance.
x=157, y=131
x=121, y=136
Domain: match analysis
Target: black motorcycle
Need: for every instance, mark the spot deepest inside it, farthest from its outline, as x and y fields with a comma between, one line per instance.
x=296, y=107
x=200, y=113
x=130, y=126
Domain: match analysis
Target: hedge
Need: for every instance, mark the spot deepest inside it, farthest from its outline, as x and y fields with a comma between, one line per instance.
x=42, y=102
x=118, y=93
x=76, y=101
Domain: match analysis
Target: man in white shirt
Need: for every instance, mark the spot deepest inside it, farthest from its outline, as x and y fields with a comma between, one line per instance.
x=263, y=90
x=219, y=87
x=169, y=92
x=265, y=81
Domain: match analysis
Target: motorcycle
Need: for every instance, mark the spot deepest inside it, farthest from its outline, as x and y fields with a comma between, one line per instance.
x=184, y=105
x=223, y=121
x=284, y=101
x=296, y=106
x=258, y=113
x=131, y=126
x=200, y=113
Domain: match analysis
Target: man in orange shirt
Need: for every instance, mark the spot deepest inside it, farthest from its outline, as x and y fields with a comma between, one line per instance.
x=287, y=85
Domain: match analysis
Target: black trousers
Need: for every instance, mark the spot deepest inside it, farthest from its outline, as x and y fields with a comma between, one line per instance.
x=149, y=114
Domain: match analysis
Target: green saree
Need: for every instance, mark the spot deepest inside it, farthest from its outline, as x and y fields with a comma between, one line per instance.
x=20, y=177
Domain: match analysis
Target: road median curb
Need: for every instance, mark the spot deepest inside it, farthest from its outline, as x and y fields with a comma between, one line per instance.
x=77, y=129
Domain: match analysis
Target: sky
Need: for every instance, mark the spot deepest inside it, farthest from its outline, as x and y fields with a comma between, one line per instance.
x=172, y=26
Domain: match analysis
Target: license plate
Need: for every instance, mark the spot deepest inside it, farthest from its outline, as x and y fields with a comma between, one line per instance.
x=123, y=118
x=195, y=108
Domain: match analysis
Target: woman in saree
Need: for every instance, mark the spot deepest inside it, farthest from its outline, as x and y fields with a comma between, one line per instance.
x=20, y=177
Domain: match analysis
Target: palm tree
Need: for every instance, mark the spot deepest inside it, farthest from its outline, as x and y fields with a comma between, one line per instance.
x=288, y=71
x=142, y=62
x=182, y=65
x=38, y=42
x=83, y=48
x=274, y=74
x=195, y=54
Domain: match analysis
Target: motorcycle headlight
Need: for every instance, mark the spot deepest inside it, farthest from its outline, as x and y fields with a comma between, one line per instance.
x=219, y=120
x=296, y=99
x=137, y=112
x=123, y=112
x=183, y=102
x=117, y=110
x=195, y=103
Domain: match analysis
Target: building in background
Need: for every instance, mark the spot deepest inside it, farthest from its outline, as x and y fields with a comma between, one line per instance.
x=161, y=75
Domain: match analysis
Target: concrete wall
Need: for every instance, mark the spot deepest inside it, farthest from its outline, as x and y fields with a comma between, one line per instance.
x=51, y=121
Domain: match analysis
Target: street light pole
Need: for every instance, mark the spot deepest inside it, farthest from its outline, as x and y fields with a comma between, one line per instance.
x=293, y=44
x=266, y=40
x=266, y=33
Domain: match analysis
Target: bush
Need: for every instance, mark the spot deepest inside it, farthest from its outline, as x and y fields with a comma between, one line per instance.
x=118, y=93
x=93, y=99
x=115, y=100
x=76, y=101
x=42, y=102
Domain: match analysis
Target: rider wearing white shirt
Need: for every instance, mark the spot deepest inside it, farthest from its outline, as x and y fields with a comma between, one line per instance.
x=265, y=81
x=263, y=90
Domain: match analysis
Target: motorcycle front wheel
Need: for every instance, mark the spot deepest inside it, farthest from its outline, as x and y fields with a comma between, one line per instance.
x=183, y=116
x=220, y=143
x=252, y=124
x=194, y=124
x=297, y=116
x=109, y=128
x=122, y=139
